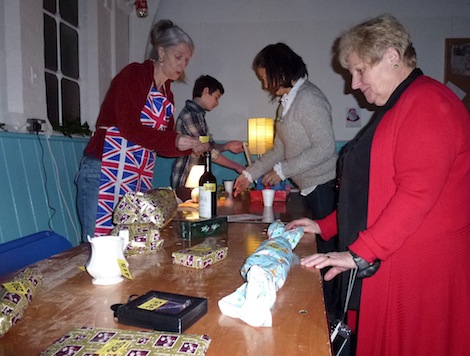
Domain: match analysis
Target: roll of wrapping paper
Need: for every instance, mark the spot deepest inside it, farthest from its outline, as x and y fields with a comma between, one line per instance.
x=275, y=255
x=15, y=297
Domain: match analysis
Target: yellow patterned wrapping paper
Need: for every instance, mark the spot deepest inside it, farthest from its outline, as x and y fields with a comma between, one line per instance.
x=156, y=206
x=143, y=238
x=116, y=342
x=144, y=214
x=201, y=255
x=15, y=297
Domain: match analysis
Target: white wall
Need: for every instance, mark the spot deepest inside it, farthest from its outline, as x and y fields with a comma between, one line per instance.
x=229, y=33
x=104, y=50
x=20, y=70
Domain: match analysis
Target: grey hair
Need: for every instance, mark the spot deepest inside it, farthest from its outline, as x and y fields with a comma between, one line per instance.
x=166, y=34
x=370, y=39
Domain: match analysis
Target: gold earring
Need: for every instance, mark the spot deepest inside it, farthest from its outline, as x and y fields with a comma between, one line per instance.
x=395, y=66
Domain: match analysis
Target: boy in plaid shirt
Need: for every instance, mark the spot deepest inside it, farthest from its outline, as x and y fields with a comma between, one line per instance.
x=191, y=121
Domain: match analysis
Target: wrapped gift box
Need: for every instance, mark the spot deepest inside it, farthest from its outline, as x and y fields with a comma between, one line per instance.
x=200, y=256
x=114, y=342
x=143, y=238
x=144, y=214
x=156, y=206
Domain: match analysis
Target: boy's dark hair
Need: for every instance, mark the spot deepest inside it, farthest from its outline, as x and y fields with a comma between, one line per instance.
x=206, y=81
x=282, y=66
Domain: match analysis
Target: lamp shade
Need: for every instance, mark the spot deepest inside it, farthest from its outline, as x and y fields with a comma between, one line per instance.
x=194, y=175
x=260, y=135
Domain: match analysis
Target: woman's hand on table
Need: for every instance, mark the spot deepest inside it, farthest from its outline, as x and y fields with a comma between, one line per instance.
x=309, y=226
x=338, y=261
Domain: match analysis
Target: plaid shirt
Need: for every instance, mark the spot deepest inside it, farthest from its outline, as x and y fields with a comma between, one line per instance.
x=191, y=121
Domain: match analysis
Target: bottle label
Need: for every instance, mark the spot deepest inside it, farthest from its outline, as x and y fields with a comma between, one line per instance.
x=209, y=187
x=205, y=202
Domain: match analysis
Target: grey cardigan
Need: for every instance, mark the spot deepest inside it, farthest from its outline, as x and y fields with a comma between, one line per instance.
x=304, y=142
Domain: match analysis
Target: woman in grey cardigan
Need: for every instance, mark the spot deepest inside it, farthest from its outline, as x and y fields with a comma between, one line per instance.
x=304, y=146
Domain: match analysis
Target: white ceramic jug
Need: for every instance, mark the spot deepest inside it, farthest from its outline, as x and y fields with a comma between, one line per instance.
x=103, y=264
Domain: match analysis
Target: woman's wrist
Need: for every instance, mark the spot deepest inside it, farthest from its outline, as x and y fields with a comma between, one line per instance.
x=364, y=268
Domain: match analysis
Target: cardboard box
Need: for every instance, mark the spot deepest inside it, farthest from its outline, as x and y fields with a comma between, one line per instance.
x=200, y=256
x=162, y=311
x=190, y=229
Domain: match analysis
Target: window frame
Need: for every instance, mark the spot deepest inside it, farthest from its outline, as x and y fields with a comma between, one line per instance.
x=62, y=80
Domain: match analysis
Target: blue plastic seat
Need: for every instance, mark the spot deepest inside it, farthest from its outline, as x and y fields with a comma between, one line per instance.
x=16, y=254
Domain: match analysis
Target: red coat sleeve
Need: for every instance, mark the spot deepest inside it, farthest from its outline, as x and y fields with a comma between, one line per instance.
x=328, y=226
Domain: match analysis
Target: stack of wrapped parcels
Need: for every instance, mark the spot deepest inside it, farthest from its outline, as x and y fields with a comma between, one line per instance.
x=144, y=215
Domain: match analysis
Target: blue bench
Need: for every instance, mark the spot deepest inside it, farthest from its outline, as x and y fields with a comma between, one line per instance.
x=16, y=254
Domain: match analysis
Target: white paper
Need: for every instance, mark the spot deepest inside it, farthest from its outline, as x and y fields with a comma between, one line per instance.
x=457, y=91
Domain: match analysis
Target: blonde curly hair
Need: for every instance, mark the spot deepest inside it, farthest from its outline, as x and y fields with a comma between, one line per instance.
x=370, y=39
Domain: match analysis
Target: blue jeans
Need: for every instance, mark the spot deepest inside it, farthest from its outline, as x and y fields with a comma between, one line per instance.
x=88, y=185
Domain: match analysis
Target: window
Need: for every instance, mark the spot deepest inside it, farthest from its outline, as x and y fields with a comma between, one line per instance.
x=62, y=75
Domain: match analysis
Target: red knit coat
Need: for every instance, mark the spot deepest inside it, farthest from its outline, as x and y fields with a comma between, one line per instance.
x=418, y=224
x=122, y=106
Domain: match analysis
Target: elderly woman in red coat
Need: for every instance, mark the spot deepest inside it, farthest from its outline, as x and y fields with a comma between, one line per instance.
x=403, y=215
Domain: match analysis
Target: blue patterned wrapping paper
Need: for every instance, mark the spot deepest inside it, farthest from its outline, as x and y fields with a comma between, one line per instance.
x=275, y=255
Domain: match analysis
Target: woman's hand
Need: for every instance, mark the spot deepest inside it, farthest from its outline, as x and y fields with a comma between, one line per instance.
x=309, y=226
x=339, y=262
x=241, y=184
x=271, y=178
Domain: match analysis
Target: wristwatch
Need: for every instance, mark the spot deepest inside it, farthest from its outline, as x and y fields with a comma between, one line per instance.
x=364, y=268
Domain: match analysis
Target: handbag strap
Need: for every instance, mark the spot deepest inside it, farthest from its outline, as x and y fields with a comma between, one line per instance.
x=352, y=279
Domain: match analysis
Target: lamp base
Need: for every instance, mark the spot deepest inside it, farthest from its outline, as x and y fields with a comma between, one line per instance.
x=195, y=195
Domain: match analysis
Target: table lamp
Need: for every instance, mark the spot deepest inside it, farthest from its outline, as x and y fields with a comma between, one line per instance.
x=260, y=135
x=193, y=181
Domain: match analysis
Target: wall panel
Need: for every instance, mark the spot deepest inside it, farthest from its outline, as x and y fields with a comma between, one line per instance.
x=37, y=185
x=37, y=189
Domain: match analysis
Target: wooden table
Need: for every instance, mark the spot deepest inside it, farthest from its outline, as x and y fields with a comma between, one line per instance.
x=67, y=297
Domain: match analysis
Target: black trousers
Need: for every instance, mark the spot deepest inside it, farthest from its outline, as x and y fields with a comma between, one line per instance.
x=321, y=202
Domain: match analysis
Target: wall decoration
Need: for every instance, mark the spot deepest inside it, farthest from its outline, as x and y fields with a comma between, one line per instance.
x=353, y=117
x=457, y=67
